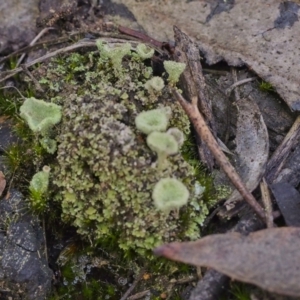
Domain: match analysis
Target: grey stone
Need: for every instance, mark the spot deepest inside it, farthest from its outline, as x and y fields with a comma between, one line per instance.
x=24, y=271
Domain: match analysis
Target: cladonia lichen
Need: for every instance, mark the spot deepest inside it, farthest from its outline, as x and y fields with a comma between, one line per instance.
x=104, y=174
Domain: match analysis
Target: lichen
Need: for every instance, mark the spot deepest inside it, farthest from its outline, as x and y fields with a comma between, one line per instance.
x=105, y=173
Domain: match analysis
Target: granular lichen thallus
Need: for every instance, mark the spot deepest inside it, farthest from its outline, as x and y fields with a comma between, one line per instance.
x=107, y=169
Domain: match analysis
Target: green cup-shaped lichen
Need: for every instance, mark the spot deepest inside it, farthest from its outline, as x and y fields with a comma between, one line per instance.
x=174, y=69
x=170, y=194
x=117, y=53
x=40, y=116
x=164, y=145
x=155, y=84
x=38, y=188
x=177, y=134
x=152, y=120
x=50, y=145
x=144, y=51
x=40, y=180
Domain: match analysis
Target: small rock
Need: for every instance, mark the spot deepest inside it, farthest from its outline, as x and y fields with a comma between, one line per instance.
x=24, y=271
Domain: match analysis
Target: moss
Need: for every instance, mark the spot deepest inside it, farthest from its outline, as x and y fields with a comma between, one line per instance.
x=240, y=291
x=13, y=157
x=266, y=87
x=9, y=102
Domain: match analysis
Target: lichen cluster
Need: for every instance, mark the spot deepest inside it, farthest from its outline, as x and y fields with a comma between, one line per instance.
x=105, y=173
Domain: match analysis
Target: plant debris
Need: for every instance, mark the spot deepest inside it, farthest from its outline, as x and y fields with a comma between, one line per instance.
x=264, y=36
x=268, y=258
x=252, y=150
x=2, y=183
x=288, y=201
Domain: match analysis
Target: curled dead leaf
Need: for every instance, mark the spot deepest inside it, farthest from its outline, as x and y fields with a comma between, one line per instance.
x=252, y=149
x=268, y=258
x=2, y=183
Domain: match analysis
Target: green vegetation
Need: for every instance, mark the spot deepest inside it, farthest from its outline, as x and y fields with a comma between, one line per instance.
x=240, y=291
x=103, y=172
x=174, y=70
x=266, y=87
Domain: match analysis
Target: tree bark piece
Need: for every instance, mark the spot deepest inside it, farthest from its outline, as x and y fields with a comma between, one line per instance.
x=194, y=87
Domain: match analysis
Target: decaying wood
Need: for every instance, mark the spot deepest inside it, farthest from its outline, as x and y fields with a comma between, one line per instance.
x=280, y=155
x=211, y=286
x=194, y=87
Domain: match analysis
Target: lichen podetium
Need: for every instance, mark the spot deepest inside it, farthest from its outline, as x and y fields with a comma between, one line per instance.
x=104, y=172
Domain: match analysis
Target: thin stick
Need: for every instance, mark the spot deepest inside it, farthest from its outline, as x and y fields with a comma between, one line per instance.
x=80, y=44
x=34, y=41
x=229, y=90
x=282, y=152
x=140, y=36
x=202, y=129
x=2, y=183
x=45, y=240
x=139, y=295
x=36, y=83
x=132, y=287
x=266, y=198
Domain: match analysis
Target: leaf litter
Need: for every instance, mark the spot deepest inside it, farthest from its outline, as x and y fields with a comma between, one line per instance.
x=263, y=35
x=2, y=183
x=252, y=150
x=268, y=258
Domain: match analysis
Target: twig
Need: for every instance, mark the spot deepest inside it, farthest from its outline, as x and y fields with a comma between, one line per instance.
x=132, y=287
x=266, y=198
x=36, y=83
x=173, y=282
x=229, y=90
x=47, y=56
x=140, y=36
x=34, y=41
x=202, y=129
x=44, y=44
x=194, y=86
x=139, y=295
x=45, y=240
x=80, y=44
x=184, y=280
x=282, y=152
x=2, y=183
x=233, y=87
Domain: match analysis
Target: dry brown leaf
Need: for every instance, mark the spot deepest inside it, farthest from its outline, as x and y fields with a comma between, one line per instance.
x=261, y=34
x=268, y=258
x=252, y=149
x=2, y=183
